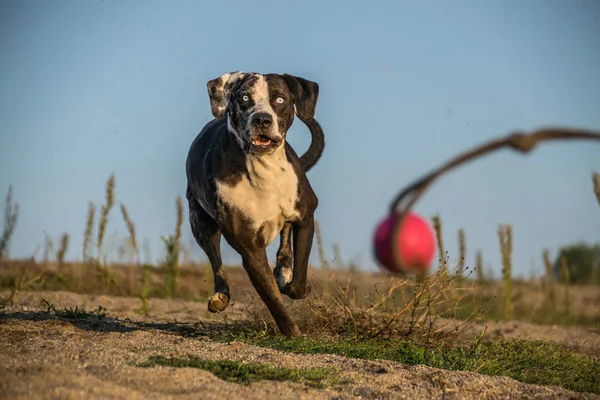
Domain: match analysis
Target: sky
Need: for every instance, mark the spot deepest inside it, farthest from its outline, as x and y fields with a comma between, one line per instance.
x=92, y=88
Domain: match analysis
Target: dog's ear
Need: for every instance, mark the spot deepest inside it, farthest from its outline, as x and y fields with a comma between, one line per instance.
x=218, y=90
x=305, y=95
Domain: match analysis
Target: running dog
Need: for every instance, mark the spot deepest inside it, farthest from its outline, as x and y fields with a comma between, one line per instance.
x=245, y=182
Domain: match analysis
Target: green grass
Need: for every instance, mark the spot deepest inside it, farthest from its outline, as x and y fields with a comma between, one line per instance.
x=74, y=313
x=533, y=362
x=246, y=373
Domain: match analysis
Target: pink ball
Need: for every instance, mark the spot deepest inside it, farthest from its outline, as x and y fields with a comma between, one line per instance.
x=415, y=242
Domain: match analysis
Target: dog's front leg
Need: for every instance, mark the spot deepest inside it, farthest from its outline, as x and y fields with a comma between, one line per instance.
x=303, y=233
x=283, y=262
x=256, y=265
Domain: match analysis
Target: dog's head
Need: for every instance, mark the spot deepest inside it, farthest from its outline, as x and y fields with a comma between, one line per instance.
x=260, y=108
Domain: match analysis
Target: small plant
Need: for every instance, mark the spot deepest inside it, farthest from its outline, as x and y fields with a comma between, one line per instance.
x=526, y=361
x=596, y=182
x=48, y=248
x=74, y=313
x=100, y=261
x=145, y=269
x=246, y=373
x=322, y=260
x=144, y=289
x=479, y=267
x=505, y=236
x=62, y=249
x=22, y=278
x=173, y=247
x=437, y=226
x=337, y=255
x=89, y=230
x=551, y=290
x=462, y=251
x=564, y=269
x=102, y=223
x=170, y=266
x=104, y=211
x=406, y=309
x=11, y=214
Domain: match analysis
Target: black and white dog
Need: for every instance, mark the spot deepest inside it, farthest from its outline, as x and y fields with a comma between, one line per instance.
x=246, y=182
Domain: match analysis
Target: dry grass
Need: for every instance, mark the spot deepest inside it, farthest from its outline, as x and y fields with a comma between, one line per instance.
x=505, y=236
x=11, y=214
x=596, y=183
x=345, y=302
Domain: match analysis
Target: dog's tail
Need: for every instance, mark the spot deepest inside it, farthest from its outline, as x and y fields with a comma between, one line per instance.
x=315, y=150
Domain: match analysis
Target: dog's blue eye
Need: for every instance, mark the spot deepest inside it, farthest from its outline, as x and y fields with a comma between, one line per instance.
x=280, y=100
x=245, y=97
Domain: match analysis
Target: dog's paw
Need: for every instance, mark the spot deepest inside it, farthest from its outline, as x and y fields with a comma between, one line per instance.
x=283, y=276
x=218, y=302
x=295, y=293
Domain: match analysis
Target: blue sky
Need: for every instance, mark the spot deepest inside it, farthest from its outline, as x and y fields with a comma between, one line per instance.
x=90, y=88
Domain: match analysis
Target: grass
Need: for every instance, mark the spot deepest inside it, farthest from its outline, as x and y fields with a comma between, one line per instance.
x=353, y=313
x=550, y=286
x=11, y=215
x=246, y=373
x=437, y=226
x=527, y=361
x=76, y=313
x=505, y=236
x=534, y=362
x=567, y=298
x=469, y=298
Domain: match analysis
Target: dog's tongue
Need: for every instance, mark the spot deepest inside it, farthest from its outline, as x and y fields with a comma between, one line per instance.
x=261, y=142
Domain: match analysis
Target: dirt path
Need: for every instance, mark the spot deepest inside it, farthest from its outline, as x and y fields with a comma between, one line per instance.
x=42, y=357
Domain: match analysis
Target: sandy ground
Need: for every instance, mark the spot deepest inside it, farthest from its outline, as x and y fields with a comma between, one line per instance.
x=42, y=357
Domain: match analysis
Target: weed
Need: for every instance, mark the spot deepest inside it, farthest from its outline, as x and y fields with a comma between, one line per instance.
x=100, y=261
x=11, y=214
x=48, y=247
x=462, y=251
x=143, y=268
x=437, y=226
x=104, y=211
x=173, y=247
x=479, y=267
x=527, y=361
x=132, y=235
x=596, y=182
x=551, y=291
x=564, y=269
x=144, y=290
x=62, y=250
x=89, y=230
x=322, y=260
x=505, y=236
x=74, y=313
x=246, y=373
x=22, y=278
x=388, y=313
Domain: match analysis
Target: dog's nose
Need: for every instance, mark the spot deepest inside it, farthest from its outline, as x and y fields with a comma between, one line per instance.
x=262, y=120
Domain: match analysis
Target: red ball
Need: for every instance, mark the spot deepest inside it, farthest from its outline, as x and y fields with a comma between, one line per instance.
x=415, y=243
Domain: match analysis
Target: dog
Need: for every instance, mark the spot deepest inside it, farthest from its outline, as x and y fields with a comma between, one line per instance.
x=246, y=182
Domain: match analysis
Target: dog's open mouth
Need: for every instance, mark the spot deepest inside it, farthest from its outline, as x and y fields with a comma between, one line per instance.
x=261, y=140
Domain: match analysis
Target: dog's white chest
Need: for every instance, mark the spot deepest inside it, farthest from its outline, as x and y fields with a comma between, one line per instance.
x=267, y=195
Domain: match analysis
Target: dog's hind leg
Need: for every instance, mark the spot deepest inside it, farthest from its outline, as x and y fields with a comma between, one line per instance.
x=208, y=236
x=283, y=263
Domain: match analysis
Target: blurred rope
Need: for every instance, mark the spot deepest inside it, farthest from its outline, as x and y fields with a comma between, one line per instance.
x=518, y=141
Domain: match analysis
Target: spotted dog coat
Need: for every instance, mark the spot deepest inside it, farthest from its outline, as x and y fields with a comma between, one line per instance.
x=245, y=182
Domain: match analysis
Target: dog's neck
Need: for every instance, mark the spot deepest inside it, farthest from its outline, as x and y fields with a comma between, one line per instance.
x=260, y=167
x=265, y=170
x=275, y=160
